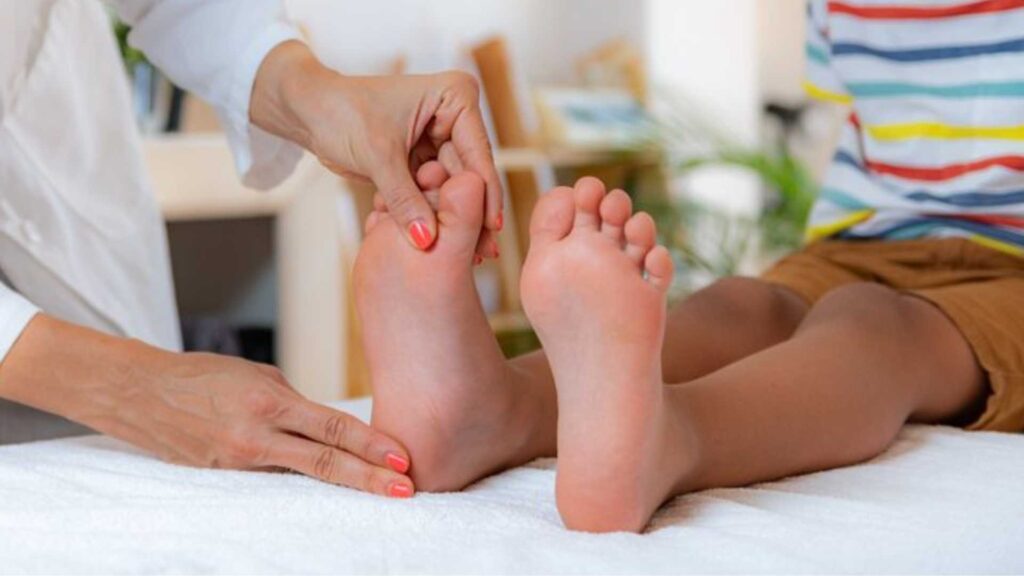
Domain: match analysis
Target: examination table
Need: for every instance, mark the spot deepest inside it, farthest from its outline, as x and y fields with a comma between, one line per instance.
x=940, y=500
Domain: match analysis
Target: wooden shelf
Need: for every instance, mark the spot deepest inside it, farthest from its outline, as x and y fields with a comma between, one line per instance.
x=508, y=322
x=209, y=188
x=194, y=178
x=529, y=158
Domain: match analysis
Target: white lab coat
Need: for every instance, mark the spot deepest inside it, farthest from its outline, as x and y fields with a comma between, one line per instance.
x=81, y=237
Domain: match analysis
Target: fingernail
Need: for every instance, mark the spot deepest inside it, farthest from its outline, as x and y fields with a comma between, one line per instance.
x=420, y=234
x=500, y=222
x=399, y=490
x=397, y=463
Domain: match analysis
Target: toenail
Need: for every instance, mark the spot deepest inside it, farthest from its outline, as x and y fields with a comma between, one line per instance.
x=397, y=463
x=420, y=234
x=399, y=490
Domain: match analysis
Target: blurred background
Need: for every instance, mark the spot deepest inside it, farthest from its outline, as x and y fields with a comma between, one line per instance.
x=694, y=108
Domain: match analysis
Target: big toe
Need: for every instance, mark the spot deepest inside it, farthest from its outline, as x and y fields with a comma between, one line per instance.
x=461, y=208
x=552, y=216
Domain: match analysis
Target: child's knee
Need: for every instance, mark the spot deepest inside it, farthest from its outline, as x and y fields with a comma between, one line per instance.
x=862, y=307
x=749, y=299
x=912, y=330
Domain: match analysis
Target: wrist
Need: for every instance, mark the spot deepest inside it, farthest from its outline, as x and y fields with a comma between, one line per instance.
x=73, y=371
x=285, y=92
x=129, y=367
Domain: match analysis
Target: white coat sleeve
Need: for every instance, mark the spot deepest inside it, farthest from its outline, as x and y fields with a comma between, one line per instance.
x=15, y=313
x=214, y=48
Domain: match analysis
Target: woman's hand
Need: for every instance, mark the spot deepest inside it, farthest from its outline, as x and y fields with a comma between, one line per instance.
x=196, y=409
x=382, y=129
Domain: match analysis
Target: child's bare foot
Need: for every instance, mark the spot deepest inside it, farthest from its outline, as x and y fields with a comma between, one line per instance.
x=594, y=288
x=441, y=384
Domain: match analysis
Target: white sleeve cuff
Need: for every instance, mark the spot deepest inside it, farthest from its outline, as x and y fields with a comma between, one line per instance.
x=262, y=159
x=15, y=314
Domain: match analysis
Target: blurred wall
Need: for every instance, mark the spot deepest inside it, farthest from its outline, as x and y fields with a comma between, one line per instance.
x=546, y=36
x=780, y=29
x=707, y=53
x=704, y=57
x=726, y=56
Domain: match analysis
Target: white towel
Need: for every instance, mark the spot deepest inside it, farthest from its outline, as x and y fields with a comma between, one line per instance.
x=941, y=500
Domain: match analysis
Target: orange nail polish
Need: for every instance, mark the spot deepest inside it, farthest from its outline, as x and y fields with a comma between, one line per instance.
x=500, y=221
x=420, y=234
x=399, y=490
x=397, y=463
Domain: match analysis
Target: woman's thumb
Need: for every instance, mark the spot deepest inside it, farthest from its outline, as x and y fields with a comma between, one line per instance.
x=408, y=206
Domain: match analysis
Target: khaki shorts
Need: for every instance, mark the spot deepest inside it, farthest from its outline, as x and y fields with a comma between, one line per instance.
x=981, y=290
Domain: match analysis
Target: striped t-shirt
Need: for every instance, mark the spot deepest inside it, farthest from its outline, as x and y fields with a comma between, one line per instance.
x=934, y=144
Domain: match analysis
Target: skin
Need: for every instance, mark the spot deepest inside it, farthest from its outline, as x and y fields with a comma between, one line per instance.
x=211, y=411
x=195, y=409
x=381, y=129
x=743, y=382
x=394, y=285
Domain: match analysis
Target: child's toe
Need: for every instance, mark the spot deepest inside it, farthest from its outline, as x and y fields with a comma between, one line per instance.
x=461, y=208
x=552, y=217
x=659, y=268
x=615, y=210
x=640, y=236
x=589, y=192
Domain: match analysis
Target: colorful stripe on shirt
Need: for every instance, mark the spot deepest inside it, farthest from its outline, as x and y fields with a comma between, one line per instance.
x=895, y=12
x=934, y=146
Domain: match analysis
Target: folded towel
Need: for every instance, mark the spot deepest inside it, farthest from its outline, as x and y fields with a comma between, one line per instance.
x=940, y=500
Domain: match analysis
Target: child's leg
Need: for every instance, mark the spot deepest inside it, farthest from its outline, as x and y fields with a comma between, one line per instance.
x=863, y=361
x=725, y=322
x=441, y=385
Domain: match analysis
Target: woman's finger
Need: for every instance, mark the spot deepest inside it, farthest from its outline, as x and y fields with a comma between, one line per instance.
x=448, y=156
x=340, y=430
x=487, y=244
x=405, y=201
x=429, y=177
x=336, y=466
x=474, y=151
